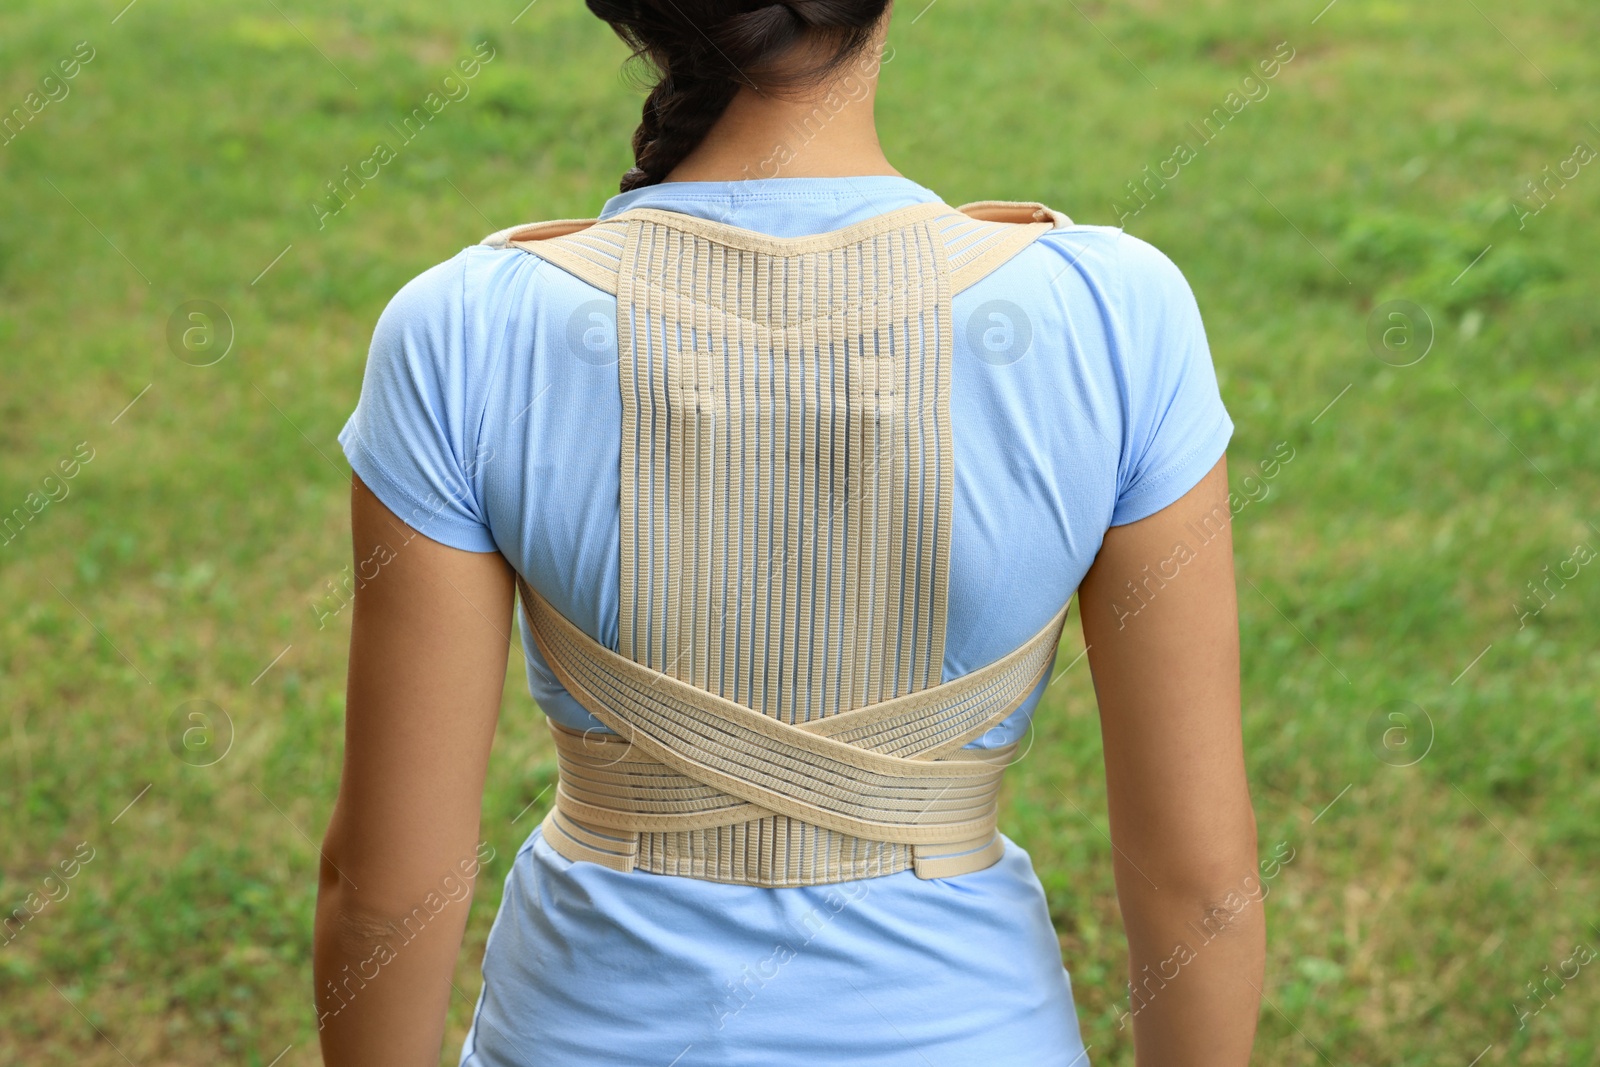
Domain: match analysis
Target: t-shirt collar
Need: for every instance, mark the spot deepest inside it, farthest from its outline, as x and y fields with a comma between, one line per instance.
x=774, y=205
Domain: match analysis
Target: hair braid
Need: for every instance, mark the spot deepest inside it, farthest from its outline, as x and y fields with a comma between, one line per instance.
x=677, y=115
x=704, y=50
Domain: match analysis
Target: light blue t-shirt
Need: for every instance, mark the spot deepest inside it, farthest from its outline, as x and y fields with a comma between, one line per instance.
x=1082, y=396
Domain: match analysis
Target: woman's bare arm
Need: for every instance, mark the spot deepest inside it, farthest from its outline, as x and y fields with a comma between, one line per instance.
x=428, y=651
x=1160, y=617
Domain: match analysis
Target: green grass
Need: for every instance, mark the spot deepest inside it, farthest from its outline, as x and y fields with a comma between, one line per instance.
x=192, y=548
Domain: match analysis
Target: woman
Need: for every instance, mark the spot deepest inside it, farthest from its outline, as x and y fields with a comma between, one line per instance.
x=1044, y=422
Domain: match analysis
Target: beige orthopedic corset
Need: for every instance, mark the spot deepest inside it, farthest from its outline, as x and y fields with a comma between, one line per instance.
x=787, y=488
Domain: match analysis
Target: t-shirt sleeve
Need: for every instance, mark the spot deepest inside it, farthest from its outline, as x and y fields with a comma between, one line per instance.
x=1177, y=427
x=413, y=435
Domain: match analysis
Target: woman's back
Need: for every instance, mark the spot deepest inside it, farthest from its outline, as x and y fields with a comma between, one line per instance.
x=1081, y=396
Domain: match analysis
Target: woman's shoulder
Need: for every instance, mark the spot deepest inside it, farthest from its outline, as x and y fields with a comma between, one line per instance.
x=1129, y=283
x=450, y=286
x=1118, y=262
x=447, y=309
x=436, y=334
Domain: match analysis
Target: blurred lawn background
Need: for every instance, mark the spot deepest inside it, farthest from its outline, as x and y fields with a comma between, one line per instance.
x=1443, y=861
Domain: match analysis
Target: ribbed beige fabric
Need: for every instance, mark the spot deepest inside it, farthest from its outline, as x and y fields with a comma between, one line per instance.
x=787, y=485
x=978, y=237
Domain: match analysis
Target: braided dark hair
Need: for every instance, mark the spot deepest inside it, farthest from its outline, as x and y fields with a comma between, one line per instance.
x=704, y=50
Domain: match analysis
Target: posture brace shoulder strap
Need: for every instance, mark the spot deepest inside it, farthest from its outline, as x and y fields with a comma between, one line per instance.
x=977, y=237
x=787, y=486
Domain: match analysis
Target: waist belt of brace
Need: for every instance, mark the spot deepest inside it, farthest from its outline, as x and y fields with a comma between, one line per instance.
x=775, y=702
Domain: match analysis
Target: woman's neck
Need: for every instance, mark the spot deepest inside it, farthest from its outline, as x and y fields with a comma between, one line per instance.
x=831, y=133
